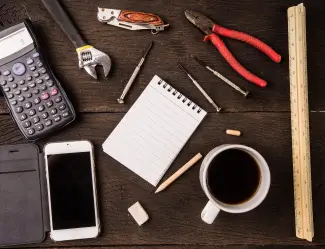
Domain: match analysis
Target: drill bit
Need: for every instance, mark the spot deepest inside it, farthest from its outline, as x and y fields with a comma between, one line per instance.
x=200, y=88
x=220, y=76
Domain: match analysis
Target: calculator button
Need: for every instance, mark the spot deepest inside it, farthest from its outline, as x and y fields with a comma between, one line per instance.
x=18, y=92
x=43, y=88
x=53, y=111
x=27, y=124
x=41, y=108
x=36, y=75
x=35, y=120
x=14, y=102
x=65, y=114
x=25, y=88
x=32, y=85
x=46, y=77
x=30, y=61
x=10, y=95
x=58, y=99
x=39, y=81
x=14, y=86
x=19, y=68
x=43, y=70
x=32, y=68
x=6, y=73
x=31, y=112
x=29, y=78
x=23, y=117
x=45, y=96
x=21, y=98
x=19, y=109
x=48, y=122
x=50, y=83
x=11, y=79
x=54, y=91
x=3, y=83
x=29, y=95
x=57, y=118
x=6, y=89
x=22, y=82
x=30, y=131
x=49, y=103
x=28, y=105
x=45, y=115
x=62, y=107
x=40, y=64
x=35, y=91
x=35, y=55
x=37, y=100
x=39, y=127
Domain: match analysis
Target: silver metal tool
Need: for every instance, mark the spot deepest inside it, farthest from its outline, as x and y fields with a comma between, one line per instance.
x=132, y=20
x=89, y=57
x=223, y=78
x=120, y=100
x=200, y=88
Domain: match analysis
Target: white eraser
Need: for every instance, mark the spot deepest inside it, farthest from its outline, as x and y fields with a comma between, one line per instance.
x=138, y=213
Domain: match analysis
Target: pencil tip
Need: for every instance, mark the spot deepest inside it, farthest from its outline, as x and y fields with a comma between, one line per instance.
x=157, y=191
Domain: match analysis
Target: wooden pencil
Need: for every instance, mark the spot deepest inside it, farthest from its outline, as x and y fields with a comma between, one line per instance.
x=178, y=173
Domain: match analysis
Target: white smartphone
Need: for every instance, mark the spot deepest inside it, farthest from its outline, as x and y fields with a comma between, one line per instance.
x=72, y=195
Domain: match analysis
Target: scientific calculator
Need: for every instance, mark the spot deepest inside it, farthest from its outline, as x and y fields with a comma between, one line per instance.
x=36, y=100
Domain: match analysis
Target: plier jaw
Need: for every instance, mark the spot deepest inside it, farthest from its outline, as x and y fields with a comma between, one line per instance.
x=200, y=21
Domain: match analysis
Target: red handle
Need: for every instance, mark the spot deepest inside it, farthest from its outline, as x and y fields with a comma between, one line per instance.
x=218, y=43
x=266, y=49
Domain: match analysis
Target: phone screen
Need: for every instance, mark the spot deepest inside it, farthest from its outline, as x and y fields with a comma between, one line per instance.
x=71, y=190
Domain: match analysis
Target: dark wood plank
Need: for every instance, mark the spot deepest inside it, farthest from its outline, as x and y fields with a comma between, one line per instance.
x=200, y=246
x=264, y=19
x=175, y=213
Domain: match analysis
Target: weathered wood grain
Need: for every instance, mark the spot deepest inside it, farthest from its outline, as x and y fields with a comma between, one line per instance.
x=200, y=246
x=264, y=19
x=175, y=213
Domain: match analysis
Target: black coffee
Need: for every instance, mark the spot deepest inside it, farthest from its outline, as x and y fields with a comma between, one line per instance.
x=233, y=176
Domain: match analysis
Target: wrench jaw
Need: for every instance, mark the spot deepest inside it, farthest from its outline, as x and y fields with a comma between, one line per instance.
x=91, y=71
x=89, y=57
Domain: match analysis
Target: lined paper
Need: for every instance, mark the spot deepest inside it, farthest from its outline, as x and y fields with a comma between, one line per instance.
x=154, y=130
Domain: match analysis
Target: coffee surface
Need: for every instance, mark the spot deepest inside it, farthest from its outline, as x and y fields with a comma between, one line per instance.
x=233, y=176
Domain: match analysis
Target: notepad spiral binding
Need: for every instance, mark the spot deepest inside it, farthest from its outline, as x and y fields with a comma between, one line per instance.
x=180, y=96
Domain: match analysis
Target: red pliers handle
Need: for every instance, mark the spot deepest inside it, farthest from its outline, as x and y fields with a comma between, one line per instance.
x=219, y=44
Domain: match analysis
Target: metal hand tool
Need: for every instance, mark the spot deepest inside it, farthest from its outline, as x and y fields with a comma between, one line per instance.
x=120, y=100
x=89, y=57
x=200, y=88
x=131, y=20
x=213, y=30
x=220, y=76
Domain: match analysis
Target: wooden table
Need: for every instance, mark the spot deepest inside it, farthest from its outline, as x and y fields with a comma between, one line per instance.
x=264, y=118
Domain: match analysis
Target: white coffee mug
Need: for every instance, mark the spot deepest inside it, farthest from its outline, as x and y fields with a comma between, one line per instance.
x=213, y=207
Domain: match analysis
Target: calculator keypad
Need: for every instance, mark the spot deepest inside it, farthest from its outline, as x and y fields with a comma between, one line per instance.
x=38, y=103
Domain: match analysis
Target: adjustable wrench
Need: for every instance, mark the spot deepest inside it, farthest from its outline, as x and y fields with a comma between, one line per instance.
x=89, y=57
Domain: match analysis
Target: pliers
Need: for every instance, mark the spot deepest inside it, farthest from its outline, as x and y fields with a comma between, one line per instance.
x=213, y=30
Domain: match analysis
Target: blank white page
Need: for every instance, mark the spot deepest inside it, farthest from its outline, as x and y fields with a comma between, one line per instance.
x=154, y=130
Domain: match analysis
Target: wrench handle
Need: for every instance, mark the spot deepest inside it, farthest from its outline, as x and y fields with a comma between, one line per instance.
x=64, y=21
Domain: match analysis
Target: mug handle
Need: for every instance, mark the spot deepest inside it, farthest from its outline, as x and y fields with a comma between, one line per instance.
x=209, y=212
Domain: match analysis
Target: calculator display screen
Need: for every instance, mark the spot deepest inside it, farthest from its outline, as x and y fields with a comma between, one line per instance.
x=14, y=42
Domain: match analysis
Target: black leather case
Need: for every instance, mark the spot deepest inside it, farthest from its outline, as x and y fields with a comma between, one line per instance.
x=24, y=216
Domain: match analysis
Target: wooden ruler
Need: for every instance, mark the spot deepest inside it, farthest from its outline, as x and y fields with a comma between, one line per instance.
x=300, y=122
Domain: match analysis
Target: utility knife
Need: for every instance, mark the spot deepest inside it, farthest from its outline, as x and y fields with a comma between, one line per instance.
x=131, y=20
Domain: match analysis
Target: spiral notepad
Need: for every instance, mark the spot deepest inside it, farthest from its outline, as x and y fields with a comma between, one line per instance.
x=155, y=129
